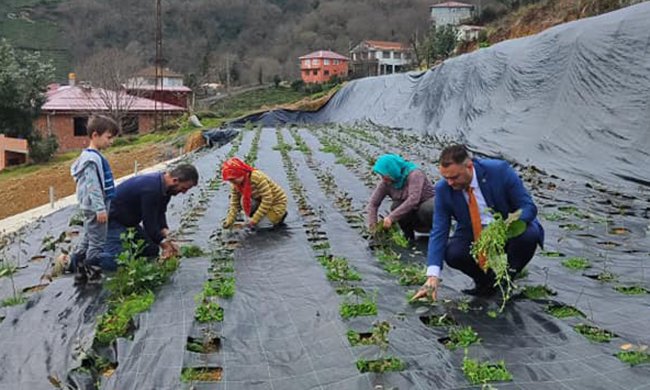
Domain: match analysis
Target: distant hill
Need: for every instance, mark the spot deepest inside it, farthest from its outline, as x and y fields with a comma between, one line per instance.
x=254, y=39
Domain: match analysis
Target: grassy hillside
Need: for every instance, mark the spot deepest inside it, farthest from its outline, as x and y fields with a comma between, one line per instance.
x=24, y=23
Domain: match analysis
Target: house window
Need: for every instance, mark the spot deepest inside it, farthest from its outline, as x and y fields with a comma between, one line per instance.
x=80, y=123
x=327, y=73
x=315, y=61
x=336, y=62
x=315, y=72
x=326, y=61
x=130, y=124
x=386, y=54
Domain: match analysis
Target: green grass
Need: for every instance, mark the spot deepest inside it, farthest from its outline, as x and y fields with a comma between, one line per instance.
x=248, y=102
x=593, y=333
x=563, y=311
x=576, y=263
x=634, y=358
x=631, y=290
x=483, y=372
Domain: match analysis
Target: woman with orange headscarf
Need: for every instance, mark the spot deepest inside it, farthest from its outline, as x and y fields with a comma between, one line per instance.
x=254, y=192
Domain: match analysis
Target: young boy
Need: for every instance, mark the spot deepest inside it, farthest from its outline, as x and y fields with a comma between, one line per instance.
x=95, y=189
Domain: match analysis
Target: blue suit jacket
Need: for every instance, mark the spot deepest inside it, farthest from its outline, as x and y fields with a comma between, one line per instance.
x=503, y=192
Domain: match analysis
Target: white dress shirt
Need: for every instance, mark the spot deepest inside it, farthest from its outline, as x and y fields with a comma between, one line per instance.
x=483, y=209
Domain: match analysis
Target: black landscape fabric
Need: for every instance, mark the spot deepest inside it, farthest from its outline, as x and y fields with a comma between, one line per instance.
x=574, y=99
x=284, y=329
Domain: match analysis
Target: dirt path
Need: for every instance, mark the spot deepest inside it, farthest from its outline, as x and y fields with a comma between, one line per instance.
x=32, y=189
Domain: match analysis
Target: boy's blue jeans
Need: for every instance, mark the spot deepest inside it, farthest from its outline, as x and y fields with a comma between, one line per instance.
x=107, y=259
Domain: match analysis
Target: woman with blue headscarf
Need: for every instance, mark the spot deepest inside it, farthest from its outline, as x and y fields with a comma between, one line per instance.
x=411, y=192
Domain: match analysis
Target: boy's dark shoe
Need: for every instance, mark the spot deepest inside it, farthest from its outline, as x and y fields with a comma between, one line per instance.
x=81, y=276
x=94, y=273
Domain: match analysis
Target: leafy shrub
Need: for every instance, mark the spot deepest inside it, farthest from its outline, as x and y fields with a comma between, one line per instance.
x=42, y=149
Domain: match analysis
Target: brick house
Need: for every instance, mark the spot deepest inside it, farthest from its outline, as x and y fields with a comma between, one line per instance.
x=143, y=84
x=320, y=66
x=68, y=107
x=374, y=58
x=13, y=151
x=451, y=13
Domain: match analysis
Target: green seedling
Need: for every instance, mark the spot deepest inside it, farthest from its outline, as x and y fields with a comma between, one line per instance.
x=463, y=305
x=606, y=276
x=554, y=217
x=631, y=290
x=117, y=321
x=634, y=358
x=345, y=160
x=209, y=311
x=380, y=365
x=576, y=263
x=223, y=287
x=7, y=269
x=321, y=245
x=191, y=251
x=593, y=333
x=552, y=254
x=572, y=227
x=483, y=372
x=378, y=336
x=15, y=300
x=350, y=290
x=537, y=292
x=338, y=269
x=207, y=374
x=563, y=311
x=367, y=306
x=438, y=320
x=461, y=337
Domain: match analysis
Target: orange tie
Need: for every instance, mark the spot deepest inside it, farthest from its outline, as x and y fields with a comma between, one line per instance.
x=475, y=216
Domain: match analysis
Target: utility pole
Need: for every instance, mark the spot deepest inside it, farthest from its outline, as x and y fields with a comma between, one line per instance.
x=228, y=74
x=159, y=62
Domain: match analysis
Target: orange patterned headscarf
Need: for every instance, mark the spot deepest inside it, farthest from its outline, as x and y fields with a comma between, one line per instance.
x=235, y=168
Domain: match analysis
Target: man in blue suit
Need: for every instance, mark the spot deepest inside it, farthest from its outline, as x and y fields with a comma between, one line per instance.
x=493, y=186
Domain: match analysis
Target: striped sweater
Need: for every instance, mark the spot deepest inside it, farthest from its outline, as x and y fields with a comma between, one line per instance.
x=270, y=195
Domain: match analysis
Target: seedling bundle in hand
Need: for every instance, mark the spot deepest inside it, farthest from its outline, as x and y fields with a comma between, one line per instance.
x=492, y=244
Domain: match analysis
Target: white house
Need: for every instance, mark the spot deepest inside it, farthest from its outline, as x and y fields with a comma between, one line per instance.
x=469, y=33
x=373, y=58
x=451, y=12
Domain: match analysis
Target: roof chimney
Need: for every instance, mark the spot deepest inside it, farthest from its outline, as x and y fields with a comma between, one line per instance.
x=72, y=79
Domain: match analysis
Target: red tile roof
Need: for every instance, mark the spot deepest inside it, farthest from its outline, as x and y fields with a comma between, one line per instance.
x=324, y=54
x=452, y=4
x=385, y=45
x=67, y=98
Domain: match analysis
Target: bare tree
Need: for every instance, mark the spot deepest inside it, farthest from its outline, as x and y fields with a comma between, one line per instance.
x=107, y=75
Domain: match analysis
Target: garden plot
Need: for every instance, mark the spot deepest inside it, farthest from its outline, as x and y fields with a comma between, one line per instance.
x=319, y=305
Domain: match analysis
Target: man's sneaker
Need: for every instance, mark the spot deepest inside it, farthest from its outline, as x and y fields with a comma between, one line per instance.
x=481, y=290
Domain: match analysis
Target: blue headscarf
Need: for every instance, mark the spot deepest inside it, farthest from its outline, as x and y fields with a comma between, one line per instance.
x=395, y=167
